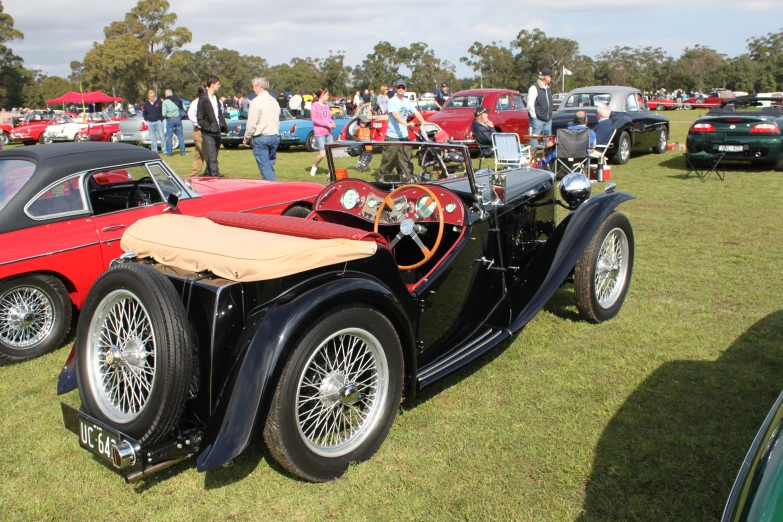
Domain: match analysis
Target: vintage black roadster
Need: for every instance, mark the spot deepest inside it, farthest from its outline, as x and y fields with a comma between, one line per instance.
x=212, y=330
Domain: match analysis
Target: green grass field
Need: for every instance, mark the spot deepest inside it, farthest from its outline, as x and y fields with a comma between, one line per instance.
x=646, y=417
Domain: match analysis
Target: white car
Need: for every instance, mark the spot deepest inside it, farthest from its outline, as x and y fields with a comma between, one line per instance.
x=79, y=128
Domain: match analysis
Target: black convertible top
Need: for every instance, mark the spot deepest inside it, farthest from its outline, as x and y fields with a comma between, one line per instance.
x=57, y=160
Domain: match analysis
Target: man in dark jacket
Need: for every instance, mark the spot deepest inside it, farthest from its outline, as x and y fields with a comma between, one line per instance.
x=209, y=116
x=153, y=115
x=482, y=130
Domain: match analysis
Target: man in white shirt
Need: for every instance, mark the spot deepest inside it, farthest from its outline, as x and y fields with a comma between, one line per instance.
x=539, y=105
x=263, y=128
x=200, y=155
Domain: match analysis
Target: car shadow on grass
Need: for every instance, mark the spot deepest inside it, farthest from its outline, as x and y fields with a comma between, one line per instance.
x=673, y=449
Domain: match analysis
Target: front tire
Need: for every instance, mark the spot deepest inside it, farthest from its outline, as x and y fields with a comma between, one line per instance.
x=310, y=144
x=113, y=138
x=603, y=272
x=338, y=395
x=4, y=139
x=35, y=316
x=623, y=153
x=134, y=350
x=663, y=141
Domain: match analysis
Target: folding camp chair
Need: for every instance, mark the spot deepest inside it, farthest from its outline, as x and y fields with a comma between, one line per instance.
x=703, y=164
x=598, y=153
x=509, y=153
x=571, y=154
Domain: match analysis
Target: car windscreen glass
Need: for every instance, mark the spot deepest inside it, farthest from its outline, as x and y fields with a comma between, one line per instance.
x=587, y=100
x=61, y=198
x=285, y=115
x=463, y=102
x=358, y=161
x=13, y=176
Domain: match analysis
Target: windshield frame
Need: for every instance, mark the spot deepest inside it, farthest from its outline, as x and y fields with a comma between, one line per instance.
x=467, y=163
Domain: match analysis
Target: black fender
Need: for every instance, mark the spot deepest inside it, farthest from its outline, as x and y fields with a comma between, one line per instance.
x=270, y=334
x=558, y=258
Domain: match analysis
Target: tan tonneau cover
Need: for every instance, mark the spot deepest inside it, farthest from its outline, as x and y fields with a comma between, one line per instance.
x=237, y=254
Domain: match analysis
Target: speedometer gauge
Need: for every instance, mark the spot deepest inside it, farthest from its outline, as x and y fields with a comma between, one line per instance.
x=350, y=199
x=451, y=207
x=425, y=207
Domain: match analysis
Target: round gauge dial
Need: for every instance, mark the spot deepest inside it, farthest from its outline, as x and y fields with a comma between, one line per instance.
x=450, y=207
x=399, y=205
x=350, y=199
x=372, y=202
x=425, y=207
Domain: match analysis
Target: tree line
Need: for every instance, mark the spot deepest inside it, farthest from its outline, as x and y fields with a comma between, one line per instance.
x=145, y=50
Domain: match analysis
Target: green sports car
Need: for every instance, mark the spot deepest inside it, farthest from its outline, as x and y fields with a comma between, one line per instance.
x=746, y=128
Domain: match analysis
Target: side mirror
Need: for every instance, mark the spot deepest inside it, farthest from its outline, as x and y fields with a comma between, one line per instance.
x=172, y=200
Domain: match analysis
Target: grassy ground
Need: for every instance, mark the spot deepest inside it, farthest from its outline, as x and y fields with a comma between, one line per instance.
x=646, y=417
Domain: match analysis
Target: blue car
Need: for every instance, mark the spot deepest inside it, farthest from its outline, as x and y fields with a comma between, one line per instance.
x=299, y=131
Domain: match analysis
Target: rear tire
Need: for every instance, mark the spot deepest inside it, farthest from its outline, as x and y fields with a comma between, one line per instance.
x=779, y=164
x=4, y=140
x=355, y=399
x=310, y=144
x=623, y=153
x=663, y=141
x=134, y=351
x=297, y=211
x=35, y=316
x=603, y=272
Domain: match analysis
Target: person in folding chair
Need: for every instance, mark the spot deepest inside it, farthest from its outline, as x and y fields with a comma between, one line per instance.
x=483, y=129
x=572, y=151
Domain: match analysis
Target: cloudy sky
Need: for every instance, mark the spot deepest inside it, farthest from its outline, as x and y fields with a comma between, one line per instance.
x=59, y=31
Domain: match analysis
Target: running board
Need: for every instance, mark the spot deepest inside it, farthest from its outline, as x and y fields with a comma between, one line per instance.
x=481, y=342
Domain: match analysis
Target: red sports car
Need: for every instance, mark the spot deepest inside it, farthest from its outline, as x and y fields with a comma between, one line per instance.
x=63, y=209
x=507, y=110
x=32, y=131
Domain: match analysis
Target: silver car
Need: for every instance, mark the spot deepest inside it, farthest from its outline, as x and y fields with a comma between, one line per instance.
x=134, y=131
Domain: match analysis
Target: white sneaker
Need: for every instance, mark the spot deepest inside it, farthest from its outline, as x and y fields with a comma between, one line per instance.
x=313, y=171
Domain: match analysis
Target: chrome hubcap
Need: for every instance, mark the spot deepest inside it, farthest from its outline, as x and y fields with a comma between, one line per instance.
x=26, y=317
x=611, y=268
x=341, y=392
x=121, y=356
x=663, y=140
x=625, y=149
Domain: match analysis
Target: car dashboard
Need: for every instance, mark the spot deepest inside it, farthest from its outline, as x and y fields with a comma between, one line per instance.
x=363, y=200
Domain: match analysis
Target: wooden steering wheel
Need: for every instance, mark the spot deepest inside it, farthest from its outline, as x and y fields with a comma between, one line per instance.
x=407, y=225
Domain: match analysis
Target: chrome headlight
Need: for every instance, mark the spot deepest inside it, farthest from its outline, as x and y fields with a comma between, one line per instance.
x=575, y=189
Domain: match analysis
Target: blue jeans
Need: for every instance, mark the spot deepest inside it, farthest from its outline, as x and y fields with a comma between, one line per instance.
x=174, y=125
x=265, y=152
x=539, y=127
x=156, y=134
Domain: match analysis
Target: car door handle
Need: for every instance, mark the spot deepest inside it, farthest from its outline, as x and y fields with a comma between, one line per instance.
x=112, y=227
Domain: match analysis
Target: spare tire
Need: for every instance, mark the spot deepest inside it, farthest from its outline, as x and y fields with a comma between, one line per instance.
x=134, y=351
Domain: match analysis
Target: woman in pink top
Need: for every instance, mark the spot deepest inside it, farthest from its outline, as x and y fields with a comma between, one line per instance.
x=321, y=114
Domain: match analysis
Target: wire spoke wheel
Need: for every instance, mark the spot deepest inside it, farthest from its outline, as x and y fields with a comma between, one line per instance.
x=340, y=392
x=27, y=317
x=611, y=268
x=121, y=353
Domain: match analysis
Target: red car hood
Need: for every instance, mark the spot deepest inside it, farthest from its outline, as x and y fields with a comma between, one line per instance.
x=454, y=121
x=239, y=193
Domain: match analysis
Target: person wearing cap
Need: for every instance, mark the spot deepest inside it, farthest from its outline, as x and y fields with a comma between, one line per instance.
x=363, y=133
x=539, y=105
x=483, y=129
x=443, y=95
x=400, y=109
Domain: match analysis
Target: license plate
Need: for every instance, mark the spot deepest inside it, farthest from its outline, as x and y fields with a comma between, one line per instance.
x=730, y=148
x=97, y=439
x=126, y=136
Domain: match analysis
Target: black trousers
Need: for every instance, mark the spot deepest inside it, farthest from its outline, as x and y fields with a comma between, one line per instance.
x=212, y=147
